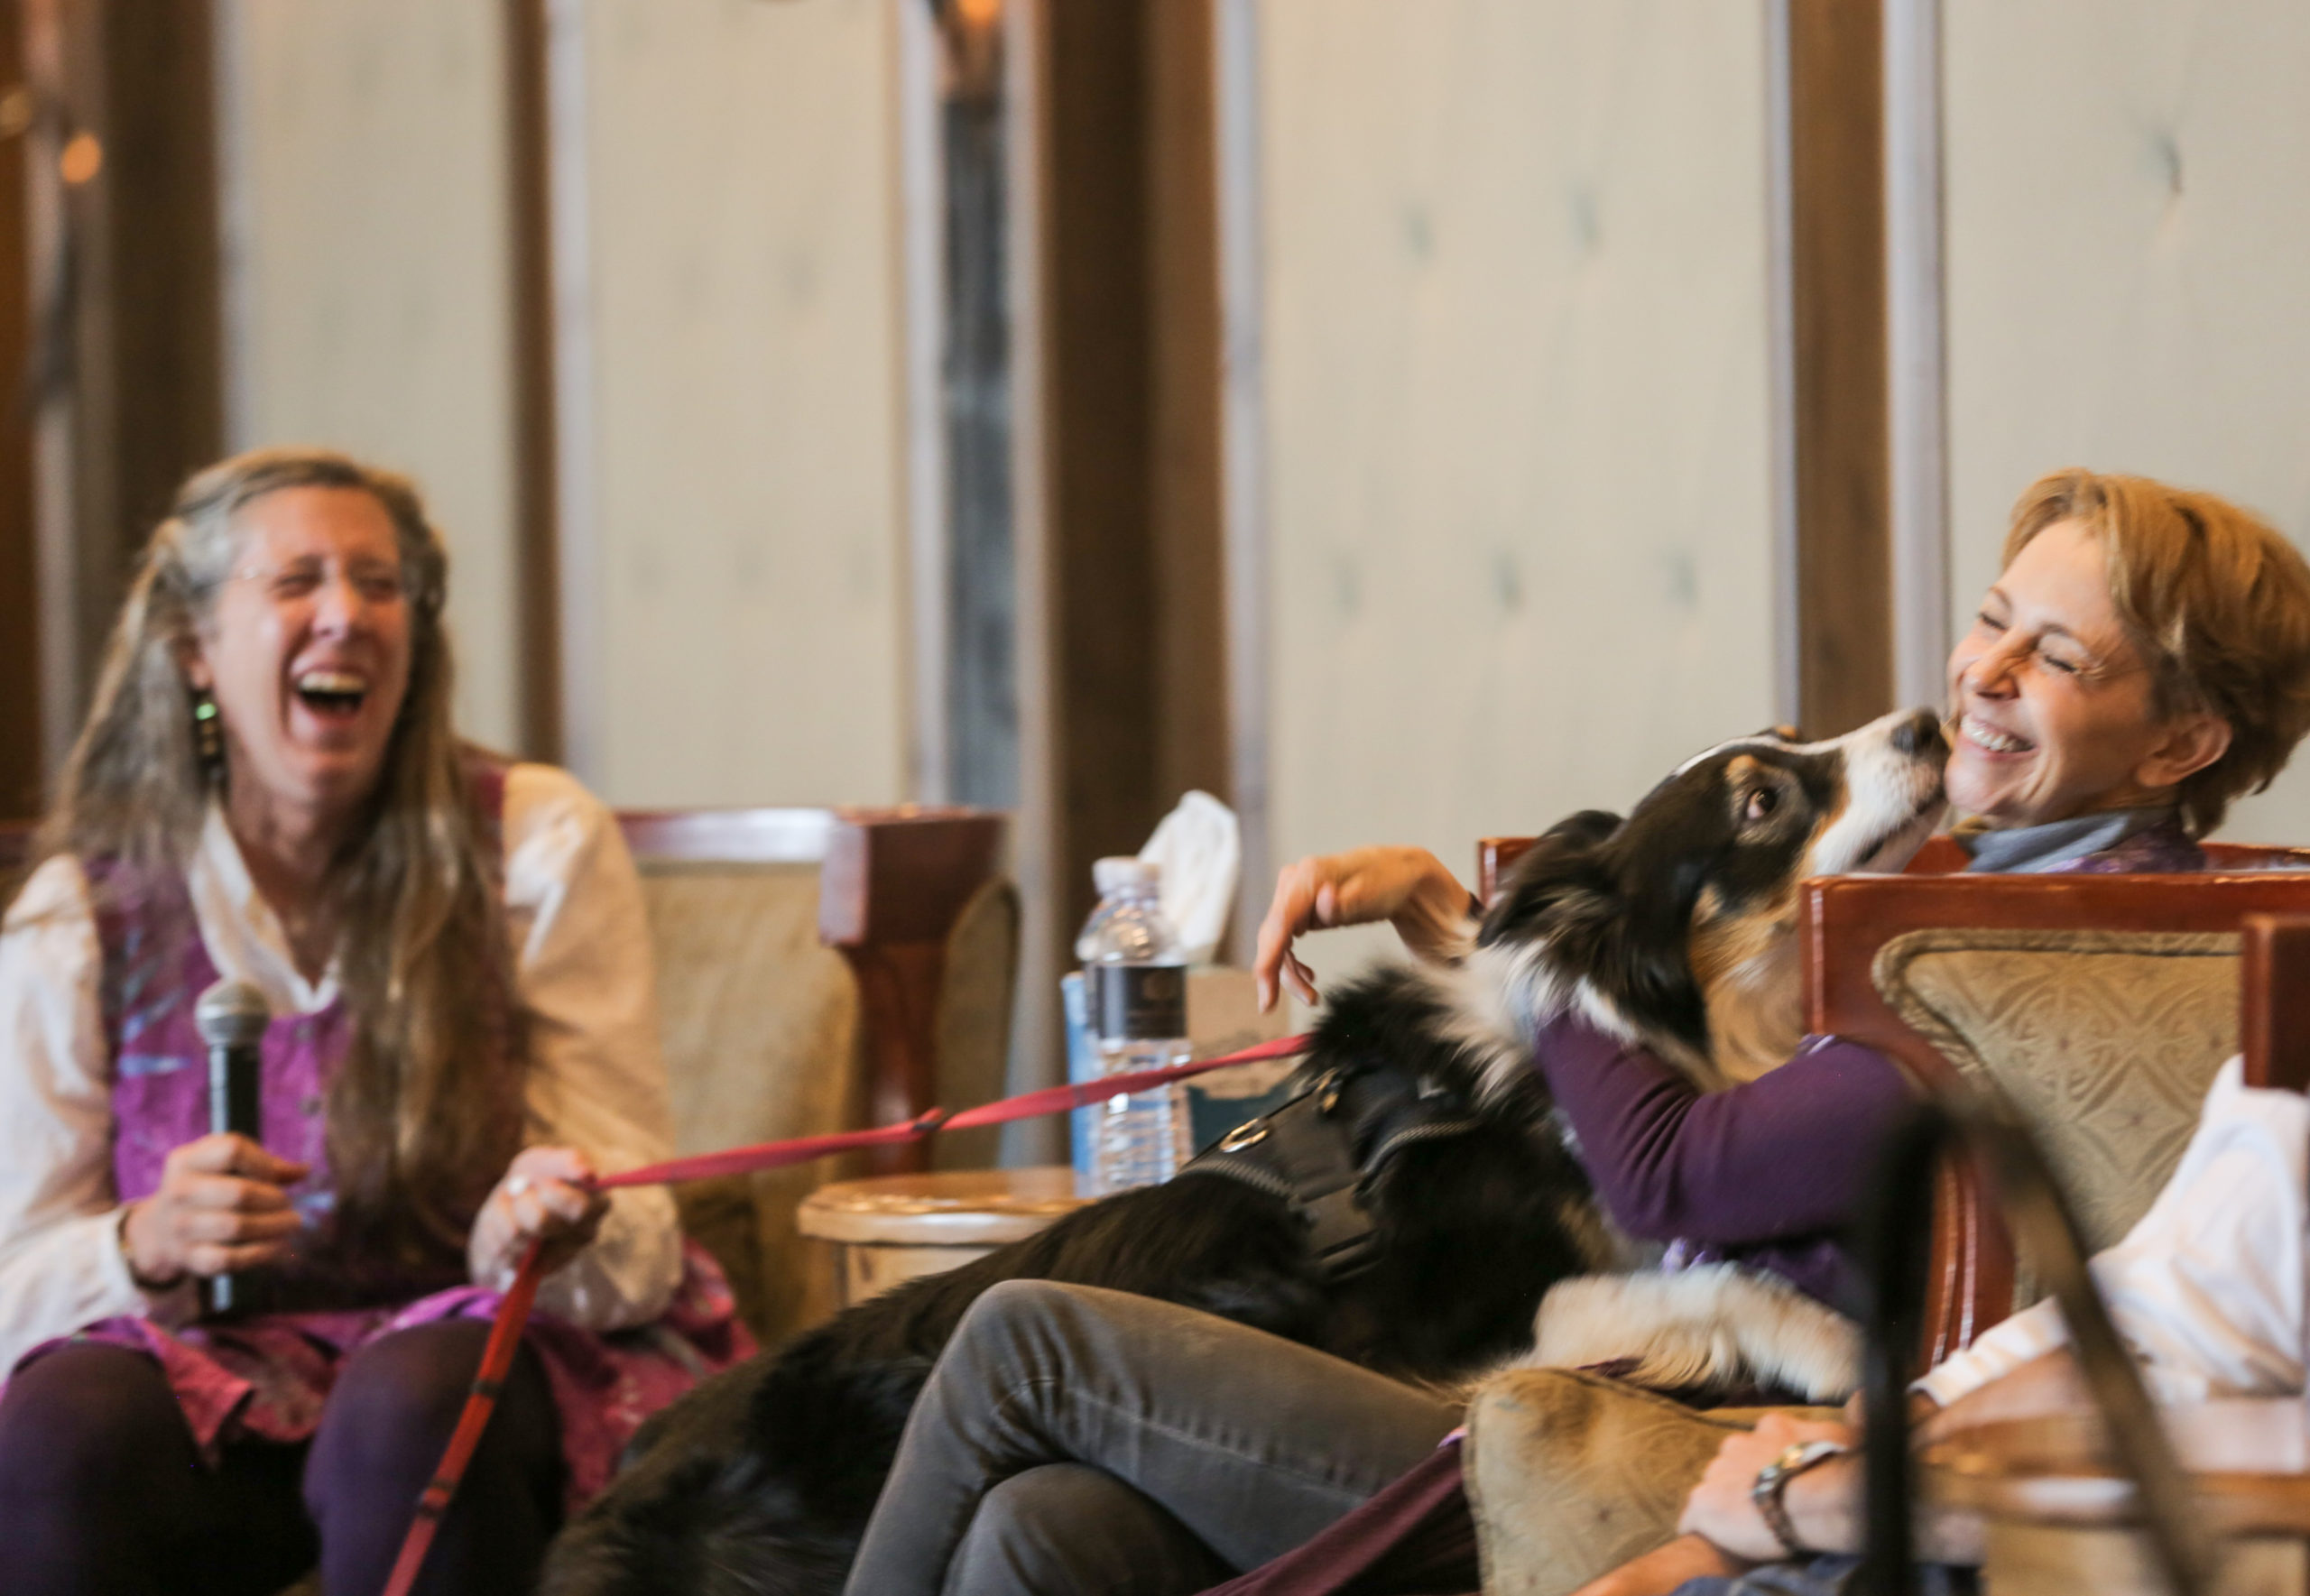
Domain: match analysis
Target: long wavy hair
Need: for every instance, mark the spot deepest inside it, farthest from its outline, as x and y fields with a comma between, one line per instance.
x=425, y=1109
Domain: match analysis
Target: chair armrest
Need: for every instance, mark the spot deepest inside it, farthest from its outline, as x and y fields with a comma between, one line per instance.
x=2274, y=1000
x=894, y=885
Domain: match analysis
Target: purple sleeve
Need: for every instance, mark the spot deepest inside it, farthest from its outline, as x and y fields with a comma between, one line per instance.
x=1788, y=1154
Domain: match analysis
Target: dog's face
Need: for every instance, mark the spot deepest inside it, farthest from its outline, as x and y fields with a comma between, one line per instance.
x=1674, y=926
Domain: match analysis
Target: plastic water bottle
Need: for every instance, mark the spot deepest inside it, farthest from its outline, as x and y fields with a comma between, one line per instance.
x=1135, y=983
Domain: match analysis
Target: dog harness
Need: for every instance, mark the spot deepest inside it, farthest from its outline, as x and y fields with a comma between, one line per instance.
x=1304, y=1153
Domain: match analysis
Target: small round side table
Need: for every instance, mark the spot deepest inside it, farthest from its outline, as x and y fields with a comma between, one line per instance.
x=893, y=1227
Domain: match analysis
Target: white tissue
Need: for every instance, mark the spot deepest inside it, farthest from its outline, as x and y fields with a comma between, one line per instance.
x=1200, y=849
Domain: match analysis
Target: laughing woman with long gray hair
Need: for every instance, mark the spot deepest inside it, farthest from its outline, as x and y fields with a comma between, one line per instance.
x=269, y=790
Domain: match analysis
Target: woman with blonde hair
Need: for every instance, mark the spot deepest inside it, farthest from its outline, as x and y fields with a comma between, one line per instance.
x=269, y=790
x=2142, y=660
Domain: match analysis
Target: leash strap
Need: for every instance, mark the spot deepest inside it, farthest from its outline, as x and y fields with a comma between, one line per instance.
x=513, y=1312
x=496, y=1363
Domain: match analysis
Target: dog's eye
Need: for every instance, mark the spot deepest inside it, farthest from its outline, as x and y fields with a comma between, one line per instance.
x=1762, y=802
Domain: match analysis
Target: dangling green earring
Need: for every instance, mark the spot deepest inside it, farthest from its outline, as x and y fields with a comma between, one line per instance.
x=208, y=736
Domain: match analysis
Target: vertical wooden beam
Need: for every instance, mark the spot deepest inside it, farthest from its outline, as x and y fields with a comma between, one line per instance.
x=1917, y=378
x=1133, y=364
x=1116, y=417
x=536, y=502
x=1100, y=460
x=1186, y=370
x=1244, y=533
x=1837, y=261
x=142, y=375
x=20, y=772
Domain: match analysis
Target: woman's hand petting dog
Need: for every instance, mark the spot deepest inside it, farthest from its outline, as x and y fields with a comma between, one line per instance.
x=1407, y=887
x=548, y=1195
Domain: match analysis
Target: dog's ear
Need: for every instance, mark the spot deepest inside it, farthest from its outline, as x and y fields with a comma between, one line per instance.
x=1610, y=919
x=1584, y=829
x=1560, y=863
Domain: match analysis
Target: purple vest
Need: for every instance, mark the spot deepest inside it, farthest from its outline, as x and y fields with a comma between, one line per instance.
x=155, y=968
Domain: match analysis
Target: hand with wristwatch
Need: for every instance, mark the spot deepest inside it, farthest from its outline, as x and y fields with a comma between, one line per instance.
x=1772, y=1482
x=1742, y=1502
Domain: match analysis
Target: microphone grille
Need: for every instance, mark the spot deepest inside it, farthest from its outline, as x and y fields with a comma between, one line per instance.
x=231, y=1014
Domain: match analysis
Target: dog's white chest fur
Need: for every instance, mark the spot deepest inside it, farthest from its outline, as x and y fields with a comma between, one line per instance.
x=1716, y=1326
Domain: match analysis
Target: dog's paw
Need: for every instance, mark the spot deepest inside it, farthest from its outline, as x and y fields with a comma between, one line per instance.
x=1714, y=1328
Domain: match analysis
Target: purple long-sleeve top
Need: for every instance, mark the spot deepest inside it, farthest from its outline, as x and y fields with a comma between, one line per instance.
x=1773, y=1173
x=1770, y=1173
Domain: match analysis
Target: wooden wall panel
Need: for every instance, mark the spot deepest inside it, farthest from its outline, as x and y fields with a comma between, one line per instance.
x=2125, y=228
x=370, y=279
x=747, y=396
x=1516, y=408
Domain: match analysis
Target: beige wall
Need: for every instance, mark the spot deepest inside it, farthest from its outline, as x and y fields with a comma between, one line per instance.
x=744, y=319
x=367, y=277
x=2128, y=213
x=1516, y=408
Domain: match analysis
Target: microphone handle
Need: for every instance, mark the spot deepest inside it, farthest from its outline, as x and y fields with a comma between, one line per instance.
x=235, y=1076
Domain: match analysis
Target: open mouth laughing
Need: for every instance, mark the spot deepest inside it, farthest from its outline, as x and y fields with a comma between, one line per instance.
x=1991, y=739
x=335, y=695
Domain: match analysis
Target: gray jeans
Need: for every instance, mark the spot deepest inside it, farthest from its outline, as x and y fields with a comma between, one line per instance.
x=1074, y=1441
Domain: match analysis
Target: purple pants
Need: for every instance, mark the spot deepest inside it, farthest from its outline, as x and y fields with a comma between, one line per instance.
x=103, y=1490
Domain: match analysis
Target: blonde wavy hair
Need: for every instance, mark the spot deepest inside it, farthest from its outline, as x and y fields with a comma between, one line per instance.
x=424, y=1110
x=2217, y=603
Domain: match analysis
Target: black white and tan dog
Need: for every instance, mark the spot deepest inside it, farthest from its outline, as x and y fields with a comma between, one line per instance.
x=1410, y=1210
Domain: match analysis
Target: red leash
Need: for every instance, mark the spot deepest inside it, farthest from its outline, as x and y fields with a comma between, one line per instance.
x=513, y=1313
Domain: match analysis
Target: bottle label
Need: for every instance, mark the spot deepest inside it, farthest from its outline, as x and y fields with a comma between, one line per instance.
x=1138, y=1002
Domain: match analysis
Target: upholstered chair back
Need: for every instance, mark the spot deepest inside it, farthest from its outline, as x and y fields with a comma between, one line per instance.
x=768, y=1032
x=760, y=1025
x=2105, y=1041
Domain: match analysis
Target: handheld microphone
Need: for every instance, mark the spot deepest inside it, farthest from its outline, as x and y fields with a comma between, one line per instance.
x=231, y=1016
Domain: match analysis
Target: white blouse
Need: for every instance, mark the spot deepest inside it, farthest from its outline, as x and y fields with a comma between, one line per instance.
x=596, y=1082
x=2207, y=1289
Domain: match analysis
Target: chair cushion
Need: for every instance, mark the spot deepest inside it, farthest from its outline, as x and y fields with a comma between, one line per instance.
x=760, y=1025
x=1570, y=1474
x=2106, y=1042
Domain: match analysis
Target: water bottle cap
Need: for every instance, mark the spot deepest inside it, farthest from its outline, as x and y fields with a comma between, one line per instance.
x=1113, y=875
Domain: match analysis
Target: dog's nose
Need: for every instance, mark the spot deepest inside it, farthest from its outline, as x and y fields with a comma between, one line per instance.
x=1920, y=734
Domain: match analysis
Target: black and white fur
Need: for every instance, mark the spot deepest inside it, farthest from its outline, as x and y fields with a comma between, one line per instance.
x=1672, y=928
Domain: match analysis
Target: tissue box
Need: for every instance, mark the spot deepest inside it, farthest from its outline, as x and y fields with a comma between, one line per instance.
x=1223, y=1017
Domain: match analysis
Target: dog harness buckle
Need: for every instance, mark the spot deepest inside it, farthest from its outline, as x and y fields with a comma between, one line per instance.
x=1249, y=1133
